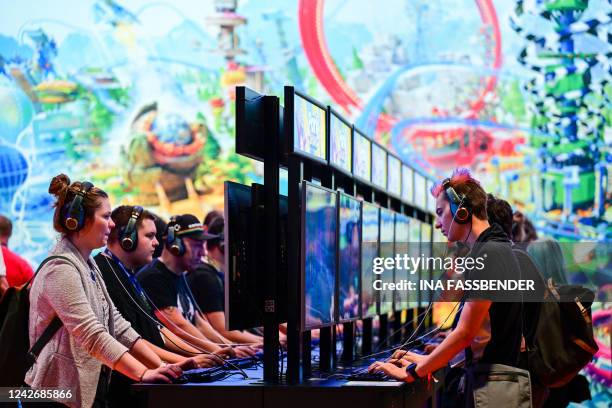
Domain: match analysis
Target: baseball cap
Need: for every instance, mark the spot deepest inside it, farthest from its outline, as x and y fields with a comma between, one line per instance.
x=188, y=226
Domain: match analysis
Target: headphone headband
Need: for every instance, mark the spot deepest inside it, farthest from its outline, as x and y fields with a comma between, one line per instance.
x=75, y=217
x=129, y=235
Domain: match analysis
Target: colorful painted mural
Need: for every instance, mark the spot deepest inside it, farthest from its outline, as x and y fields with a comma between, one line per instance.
x=138, y=96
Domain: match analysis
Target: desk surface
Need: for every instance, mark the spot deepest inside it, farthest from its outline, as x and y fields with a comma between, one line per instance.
x=252, y=392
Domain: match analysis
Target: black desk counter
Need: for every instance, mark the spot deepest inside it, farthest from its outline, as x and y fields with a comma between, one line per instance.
x=252, y=393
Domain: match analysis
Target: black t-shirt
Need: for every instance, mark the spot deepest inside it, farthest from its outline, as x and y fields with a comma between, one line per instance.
x=505, y=315
x=167, y=289
x=117, y=283
x=206, y=284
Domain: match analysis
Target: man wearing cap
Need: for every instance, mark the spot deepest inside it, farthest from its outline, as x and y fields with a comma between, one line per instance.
x=164, y=282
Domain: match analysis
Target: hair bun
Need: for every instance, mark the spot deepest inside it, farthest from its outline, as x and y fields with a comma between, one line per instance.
x=59, y=185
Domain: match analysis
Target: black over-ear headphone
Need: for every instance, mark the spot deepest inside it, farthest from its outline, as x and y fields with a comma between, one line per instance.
x=128, y=234
x=173, y=242
x=460, y=205
x=75, y=217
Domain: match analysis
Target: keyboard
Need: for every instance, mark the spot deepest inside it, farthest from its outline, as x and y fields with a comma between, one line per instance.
x=245, y=362
x=203, y=375
x=368, y=377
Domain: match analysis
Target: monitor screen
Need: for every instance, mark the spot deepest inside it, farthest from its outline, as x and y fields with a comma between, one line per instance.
x=415, y=252
x=402, y=238
x=394, y=175
x=340, y=143
x=369, y=251
x=420, y=195
x=379, y=166
x=362, y=159
x=319, y=216
x=426, y=232
x=387, y=242
x=407, y=184
x=349, y=257
x=431, y=201
x=309, y=128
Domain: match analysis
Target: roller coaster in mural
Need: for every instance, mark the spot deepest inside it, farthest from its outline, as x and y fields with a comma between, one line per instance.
x=565, y=185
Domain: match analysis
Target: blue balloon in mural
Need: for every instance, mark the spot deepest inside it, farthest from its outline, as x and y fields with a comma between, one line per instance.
x=16, y=113
x=13, y=173
x=171, y=128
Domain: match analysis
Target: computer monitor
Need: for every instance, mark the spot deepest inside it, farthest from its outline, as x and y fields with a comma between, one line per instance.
x=307, y=135
x=349, y=258
x=420, y=194
x=431, y=201
x=426, y=272
x=340, y=142
x=414, y=246
x=319, y=223
x=407, y=184
x=387, y=244
x=244, y=251
x=250, y=123
x=369, y=251
x=402, y=247
x=394, y=176
x=362, y=156
x=379, y=166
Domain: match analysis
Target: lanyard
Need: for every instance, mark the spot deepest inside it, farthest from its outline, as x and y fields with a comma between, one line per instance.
x=127, y=273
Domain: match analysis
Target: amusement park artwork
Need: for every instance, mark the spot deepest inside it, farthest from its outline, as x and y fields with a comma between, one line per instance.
x=139, y=97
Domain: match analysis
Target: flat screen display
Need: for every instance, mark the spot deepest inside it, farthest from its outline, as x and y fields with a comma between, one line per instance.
x=387, y=243
x=362, y=159
x=349, y=257
x=309, y=128
x=369, y=251
x=426, y=236
x=340, y=143
x=402, y=225
x=394, y=175
x=319, y=215
x=420, y=195
x=431, y=201
x=407, y=184
x=379, y=166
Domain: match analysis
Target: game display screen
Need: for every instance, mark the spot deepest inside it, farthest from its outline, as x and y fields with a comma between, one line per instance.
x=379, y=166
x=309, y=128
x=349, y=260
x=402, y=224
x=431, y=201
x=362, y=159
x=387, y=250
x=319, y=215
x=407, y=184
x=394, y=175
x=340, y=143
x=369, y=251
x=426, y=237
x=420, y=195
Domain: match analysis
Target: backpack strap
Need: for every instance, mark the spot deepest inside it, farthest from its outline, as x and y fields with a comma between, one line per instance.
x=55, y=324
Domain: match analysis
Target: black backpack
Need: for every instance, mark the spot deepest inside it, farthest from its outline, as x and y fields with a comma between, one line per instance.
x=563, y=343
x=560, y=342
x=15, y=357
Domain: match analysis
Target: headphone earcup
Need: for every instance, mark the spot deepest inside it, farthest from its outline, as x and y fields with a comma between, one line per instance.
x=176, y=247
x=128, y=244
x=462, y=215
x=72, y=223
